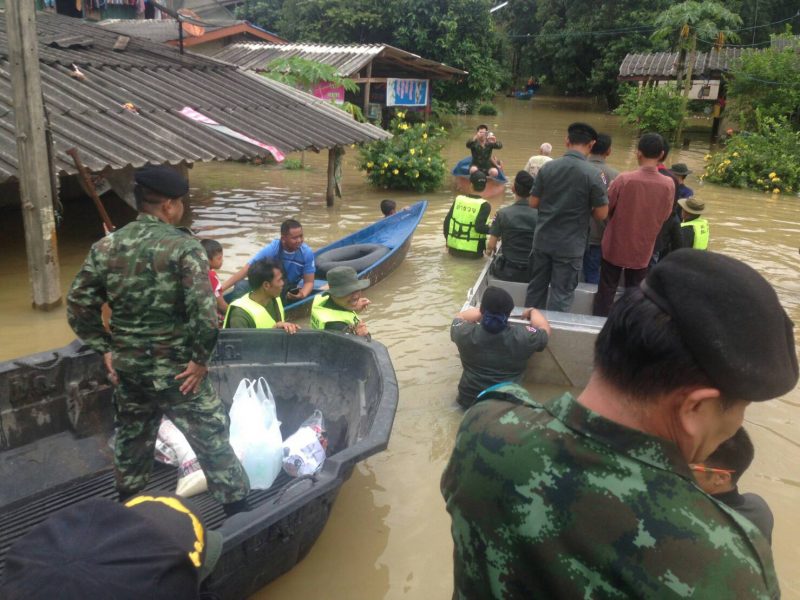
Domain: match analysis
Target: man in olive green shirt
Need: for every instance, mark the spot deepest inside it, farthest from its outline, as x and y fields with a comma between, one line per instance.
x=265, y=277
x=515, y=226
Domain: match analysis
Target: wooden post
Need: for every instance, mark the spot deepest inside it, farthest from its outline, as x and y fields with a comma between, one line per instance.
x=36, y=193
x=366, y=90
x=330, y=190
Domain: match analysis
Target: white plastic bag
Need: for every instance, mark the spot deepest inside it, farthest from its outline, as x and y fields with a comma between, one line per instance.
x=304, y=450
x=191, y=479
x=256, y=432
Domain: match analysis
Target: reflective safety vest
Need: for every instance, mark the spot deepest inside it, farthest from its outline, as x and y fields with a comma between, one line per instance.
x=322, y=315
x=258, y=313
x=461, y=234
x=701, y=232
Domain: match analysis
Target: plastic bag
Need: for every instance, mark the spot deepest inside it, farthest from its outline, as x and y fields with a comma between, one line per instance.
x=191, y=479
x=165, y=453
x=304, y=450
x=256, y=432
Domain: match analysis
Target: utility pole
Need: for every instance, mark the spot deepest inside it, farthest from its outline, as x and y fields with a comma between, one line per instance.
x=33, y=167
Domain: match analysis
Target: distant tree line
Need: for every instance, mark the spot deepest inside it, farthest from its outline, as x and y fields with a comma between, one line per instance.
x=575, y=46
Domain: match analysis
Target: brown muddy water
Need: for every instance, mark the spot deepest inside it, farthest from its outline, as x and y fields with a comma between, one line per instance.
x=388, y=535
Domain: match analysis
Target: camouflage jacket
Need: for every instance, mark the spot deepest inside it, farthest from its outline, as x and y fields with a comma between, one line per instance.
x=555, y=501
x=155, y=278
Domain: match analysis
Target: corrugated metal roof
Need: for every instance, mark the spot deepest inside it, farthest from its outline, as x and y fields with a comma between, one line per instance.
x=89, y=114
x=347, y=59
x=664, y=65
x=166, y=30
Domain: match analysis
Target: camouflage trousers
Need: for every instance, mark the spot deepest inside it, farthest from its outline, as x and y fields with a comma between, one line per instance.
x=139, y=402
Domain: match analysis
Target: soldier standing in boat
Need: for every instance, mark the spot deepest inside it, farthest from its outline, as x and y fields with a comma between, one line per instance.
x=154, y=276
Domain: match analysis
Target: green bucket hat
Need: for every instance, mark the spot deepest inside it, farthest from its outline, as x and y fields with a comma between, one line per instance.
x=343, y=281
x=680, y=169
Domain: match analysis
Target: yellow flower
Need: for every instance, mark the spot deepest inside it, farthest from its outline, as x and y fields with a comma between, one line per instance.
x=416, y=175
x=390, y=159
x=776, y=191
x=386, y=164
x=424, y=136
x=759, y=181
x=772, y=175
x=370, y=164
x=401, y=115
x=403, y=126
x=707, y=157
x=412, y=152
x=776, y=180
x=727, y=161
x=396, y=172
x=429, y=160
x=736, y=154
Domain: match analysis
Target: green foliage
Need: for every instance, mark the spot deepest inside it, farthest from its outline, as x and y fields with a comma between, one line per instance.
x=704, y=20
x=487, y=108
x=410, y=160
x=305, y=74
x=767, y=82
x=767, y=158
x=656, y=109
x=293, y=164
x=354, y=110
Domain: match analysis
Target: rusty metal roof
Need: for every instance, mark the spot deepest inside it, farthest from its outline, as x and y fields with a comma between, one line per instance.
x=663, y=65
x=348, y=59
x=89, y=114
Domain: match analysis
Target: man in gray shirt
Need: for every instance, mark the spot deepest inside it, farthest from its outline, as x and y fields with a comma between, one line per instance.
x=568, y=192
x=591, y=258
x=515, y=226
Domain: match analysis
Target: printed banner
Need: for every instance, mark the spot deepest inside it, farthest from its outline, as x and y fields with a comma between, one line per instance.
x=192, y=114
x=328, y=91
x=407, y=92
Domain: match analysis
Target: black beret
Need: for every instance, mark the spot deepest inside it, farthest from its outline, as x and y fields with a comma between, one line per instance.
x=162, y=180
x=731, y=321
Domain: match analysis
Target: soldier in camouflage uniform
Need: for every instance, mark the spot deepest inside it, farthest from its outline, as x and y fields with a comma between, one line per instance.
x=593, y=497
x=154, y=276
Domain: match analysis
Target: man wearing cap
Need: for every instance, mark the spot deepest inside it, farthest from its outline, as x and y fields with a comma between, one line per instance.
x=154, y=276
x=681, y=172
x=594, y=497
x=339, y=307
x=155, y=546
x=466, y=223
x=694, y=227
x=568, y=192
x=514, y=225
x=536, y=161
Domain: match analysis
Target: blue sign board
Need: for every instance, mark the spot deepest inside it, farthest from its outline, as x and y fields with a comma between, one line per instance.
x=407, y=92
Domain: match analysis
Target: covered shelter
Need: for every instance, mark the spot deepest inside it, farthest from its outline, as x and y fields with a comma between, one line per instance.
x=388, y=76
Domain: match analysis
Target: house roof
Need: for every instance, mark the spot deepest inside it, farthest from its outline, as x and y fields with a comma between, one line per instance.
x=89, y=113
x=348, y=59
x=166, y=30
x=663, y=65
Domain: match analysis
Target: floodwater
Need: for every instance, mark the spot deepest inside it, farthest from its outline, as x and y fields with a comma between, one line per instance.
x=388, y=535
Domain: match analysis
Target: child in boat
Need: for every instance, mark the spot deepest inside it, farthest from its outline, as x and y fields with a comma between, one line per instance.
x=214, y=252
x=719, y=475
x=388, y=207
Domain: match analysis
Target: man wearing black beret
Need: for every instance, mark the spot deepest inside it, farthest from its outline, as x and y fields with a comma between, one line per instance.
x=593, y=496
x=154, y=276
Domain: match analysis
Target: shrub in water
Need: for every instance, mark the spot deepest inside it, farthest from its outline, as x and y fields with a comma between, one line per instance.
x=487, y=108
x=411, y=160
x=656, y=109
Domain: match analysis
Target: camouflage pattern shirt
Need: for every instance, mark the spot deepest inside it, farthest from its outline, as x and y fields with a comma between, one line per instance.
x=555, y=501
x=155, y=278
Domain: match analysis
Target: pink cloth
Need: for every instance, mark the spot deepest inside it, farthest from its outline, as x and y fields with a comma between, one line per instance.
x=638, y=204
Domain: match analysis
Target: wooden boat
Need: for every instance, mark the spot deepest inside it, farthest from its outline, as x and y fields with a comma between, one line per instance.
x=55, y=419
x=374, y=252
x=495, y=186
x=524, y=94
x=568, y=358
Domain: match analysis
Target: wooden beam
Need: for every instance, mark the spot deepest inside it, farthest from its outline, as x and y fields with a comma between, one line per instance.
x=36, y=192
x=366, y=88
x=331, y=188
x=370, y=79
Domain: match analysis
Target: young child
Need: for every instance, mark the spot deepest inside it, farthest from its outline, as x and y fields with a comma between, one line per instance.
x=720, y=473
x=388, y=207
x=214, y=252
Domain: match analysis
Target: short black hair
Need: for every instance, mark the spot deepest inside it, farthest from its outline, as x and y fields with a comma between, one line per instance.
x=387, y=206
x=260, y=272
x=288, y=225
x=497, y=300
x=523, y=184
x=479, y=127
x=581, y=133
x=735, y=453
x=640, y=351
x=602, y=145
x=212, y=248
x=651, y=145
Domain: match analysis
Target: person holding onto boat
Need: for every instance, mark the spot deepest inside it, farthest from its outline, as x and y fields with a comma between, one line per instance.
x=339, y=307
x=640, y=202
x=466, y=223
x=491, y=350
x=481, y=148
x=536, y=161
x=594, y=496
x=296, y=258
x=591, y=257
x=164, y=327
x=568, y=192
x=261, y=308
x=514, y=225
x=694, y=226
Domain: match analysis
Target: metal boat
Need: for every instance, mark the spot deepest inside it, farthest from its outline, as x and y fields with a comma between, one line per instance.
x=495, y=186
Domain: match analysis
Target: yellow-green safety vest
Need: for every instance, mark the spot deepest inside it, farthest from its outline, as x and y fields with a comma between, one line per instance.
x=258, y=313
x=461, y=234
x=322, y=315
x=701, y=232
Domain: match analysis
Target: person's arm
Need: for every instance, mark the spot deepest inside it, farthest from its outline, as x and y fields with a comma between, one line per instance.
x=598, y=196
x=235, y=278
x=482, y=220
x=538, y=187
x=613, y=196
x=222, y=306
x=470, y=315
x=446, y=227
x=240, y=319
x=498, y=145
x=491, y=245
x=308, y=287
x=84, y=301
x=537, y=320
x=290, y=328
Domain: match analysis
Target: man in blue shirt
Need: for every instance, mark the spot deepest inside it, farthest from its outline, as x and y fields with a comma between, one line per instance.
x=296, y=258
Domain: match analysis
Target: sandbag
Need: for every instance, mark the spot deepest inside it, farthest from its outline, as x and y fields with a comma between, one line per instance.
x=256, y=432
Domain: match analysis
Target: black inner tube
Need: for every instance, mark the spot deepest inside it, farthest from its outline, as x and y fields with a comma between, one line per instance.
x=357, y=256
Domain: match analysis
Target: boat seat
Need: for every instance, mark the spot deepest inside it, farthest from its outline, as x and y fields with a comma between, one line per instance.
x=357, y=256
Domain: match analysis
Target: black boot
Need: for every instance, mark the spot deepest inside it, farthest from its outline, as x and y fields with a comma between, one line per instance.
x=231, y=508
x=125, y=496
